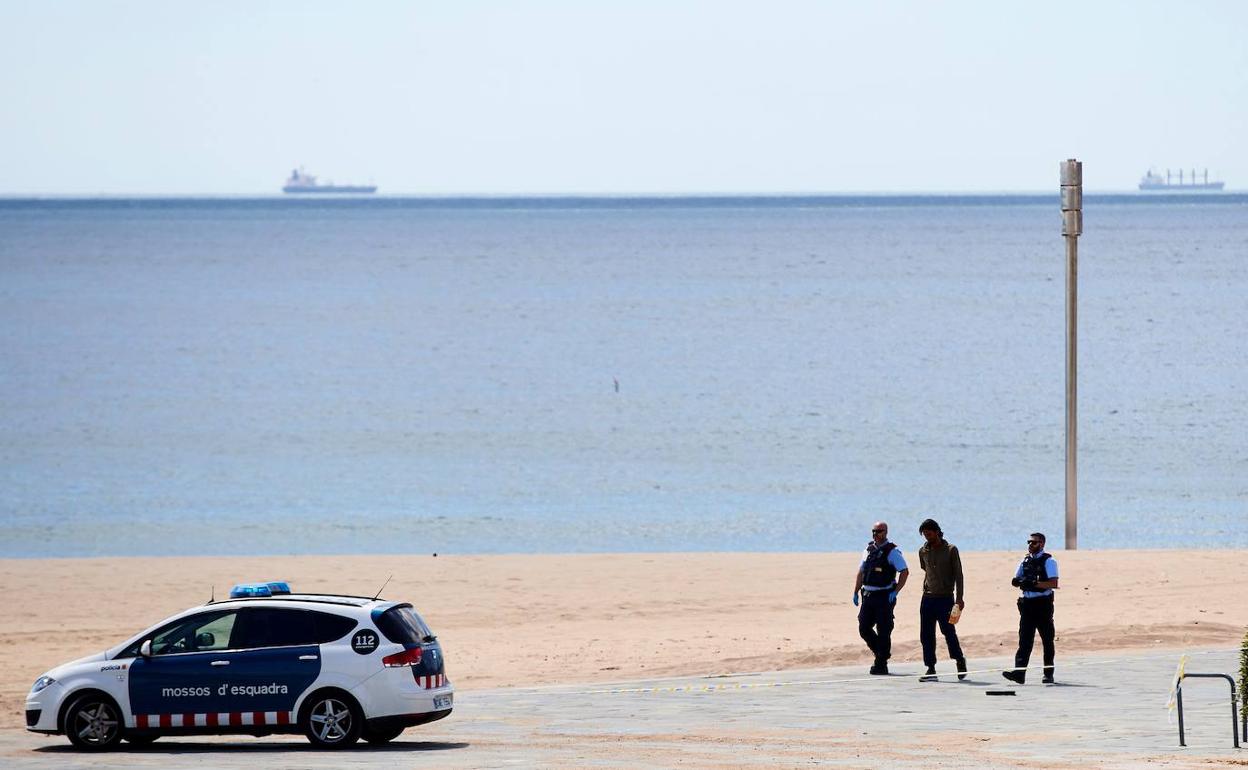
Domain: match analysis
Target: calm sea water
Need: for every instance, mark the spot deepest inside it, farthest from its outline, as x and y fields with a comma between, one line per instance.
x=554, y=375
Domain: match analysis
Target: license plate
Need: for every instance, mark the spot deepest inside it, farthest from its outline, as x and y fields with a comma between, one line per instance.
x=441, y=702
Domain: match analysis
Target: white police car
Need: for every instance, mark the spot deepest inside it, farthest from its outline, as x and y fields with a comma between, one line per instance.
x=336, y=668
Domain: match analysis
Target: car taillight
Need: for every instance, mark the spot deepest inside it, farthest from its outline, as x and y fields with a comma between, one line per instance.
x=399, y=659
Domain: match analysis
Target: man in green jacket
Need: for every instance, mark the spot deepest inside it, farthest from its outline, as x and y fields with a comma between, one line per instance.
x=942, y=590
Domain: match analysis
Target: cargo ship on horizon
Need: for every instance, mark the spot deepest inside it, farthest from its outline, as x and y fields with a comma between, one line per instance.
x=1152, y=181
x=302, y=182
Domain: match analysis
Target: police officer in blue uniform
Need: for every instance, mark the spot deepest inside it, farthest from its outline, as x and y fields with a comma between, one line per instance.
x=1036, y=576
x=881, y=575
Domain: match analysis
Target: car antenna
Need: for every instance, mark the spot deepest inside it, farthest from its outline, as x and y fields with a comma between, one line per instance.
x=212, y=593
x=383, y=587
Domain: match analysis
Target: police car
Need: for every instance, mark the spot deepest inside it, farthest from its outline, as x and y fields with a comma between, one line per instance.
x=335, y=668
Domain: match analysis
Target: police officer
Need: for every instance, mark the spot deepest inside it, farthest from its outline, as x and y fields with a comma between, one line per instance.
x=1036, y=577
x=881, y=575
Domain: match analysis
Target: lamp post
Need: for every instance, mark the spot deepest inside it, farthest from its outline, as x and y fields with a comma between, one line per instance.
x=1072, y=228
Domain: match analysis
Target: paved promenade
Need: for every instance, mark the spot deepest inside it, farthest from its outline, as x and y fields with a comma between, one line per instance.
x=1107, y=711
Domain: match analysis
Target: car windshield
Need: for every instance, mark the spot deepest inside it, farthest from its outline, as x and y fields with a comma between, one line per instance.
x=402, y=625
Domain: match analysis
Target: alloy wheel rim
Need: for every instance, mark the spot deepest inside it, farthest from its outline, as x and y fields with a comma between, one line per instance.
x=96, y=723
x=331, y=720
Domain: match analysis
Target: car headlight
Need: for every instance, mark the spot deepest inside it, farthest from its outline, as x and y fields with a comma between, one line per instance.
x=41, y=683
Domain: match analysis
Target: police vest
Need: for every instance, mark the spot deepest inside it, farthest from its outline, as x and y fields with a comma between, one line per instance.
x=1034, y=569
x=877, y=571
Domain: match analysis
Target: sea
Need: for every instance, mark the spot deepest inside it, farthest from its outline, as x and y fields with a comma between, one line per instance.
x=220, y=376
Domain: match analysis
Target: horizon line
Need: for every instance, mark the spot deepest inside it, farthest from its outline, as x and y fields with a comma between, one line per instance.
x=694, y=194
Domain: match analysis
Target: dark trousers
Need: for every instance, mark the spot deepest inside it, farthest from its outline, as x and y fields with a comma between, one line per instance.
x=1035, y=615
x=935, y=610
x=875, y=623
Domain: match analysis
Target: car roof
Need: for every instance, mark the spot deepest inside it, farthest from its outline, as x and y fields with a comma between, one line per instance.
x=287, y=600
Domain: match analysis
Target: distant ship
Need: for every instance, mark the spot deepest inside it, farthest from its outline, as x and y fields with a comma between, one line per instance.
x=300, y=182
x=1153, y=181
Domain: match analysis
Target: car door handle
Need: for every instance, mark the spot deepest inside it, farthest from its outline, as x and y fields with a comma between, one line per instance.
x=307, y=657
x=219, y=663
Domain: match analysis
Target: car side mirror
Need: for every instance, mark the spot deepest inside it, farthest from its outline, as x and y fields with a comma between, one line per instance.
x=205, y=639
x=145, y=649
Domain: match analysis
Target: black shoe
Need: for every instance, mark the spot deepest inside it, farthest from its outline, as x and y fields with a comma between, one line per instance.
x=930, y=676
x=1018, y=677
x=1048, y=678
x=880, y=669
x=961, y=668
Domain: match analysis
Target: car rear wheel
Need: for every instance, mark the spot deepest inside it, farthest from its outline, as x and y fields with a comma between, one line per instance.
x=378, y=737
x=332, y=721
x=93, y=723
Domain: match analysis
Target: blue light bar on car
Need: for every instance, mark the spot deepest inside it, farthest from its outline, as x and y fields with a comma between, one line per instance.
x=254, y=590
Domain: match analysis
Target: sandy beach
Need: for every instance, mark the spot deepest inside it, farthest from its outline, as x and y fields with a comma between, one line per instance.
x=559, y=619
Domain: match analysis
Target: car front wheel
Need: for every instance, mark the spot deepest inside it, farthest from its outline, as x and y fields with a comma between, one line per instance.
x=93, y=723
x=332, y=721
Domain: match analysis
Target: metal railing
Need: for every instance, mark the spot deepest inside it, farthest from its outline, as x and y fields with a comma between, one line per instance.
x=1234, y=709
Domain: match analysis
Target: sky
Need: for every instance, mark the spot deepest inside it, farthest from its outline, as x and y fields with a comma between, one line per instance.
x=583, y=97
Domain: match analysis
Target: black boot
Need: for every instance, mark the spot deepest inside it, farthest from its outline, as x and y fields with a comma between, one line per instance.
x=880, y=667
x=961, y=668
x=930, y=676
x=1048, y=675
x=1017, y=677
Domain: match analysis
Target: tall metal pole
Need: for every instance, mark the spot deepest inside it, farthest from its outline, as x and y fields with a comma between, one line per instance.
x=1072, y=228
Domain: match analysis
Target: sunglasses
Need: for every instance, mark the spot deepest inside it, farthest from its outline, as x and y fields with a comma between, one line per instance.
x=878, y=531
x=1034, y=542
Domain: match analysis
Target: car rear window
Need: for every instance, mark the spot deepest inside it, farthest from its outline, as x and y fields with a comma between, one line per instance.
x=402, y=625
